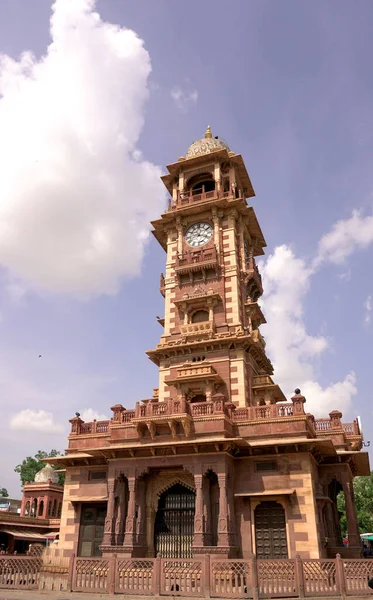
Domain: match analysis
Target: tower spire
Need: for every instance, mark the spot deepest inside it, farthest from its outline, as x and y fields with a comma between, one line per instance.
x=208, y=133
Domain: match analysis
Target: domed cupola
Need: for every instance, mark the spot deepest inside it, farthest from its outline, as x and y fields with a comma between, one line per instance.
x=45, y=474
x=206, y=145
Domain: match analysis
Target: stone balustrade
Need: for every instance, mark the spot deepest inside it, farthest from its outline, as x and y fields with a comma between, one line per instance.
x=244, y=419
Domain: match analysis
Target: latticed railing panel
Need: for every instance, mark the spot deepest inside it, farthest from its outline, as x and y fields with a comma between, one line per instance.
x=135, y=576
x=20, y=573
x=320, y=577
x=181, y=577
x=356, y=573
x=231, y=579
x=91, y=574
x=276, y=578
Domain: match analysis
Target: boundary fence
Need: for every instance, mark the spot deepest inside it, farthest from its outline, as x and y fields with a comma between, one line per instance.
x=201, y=577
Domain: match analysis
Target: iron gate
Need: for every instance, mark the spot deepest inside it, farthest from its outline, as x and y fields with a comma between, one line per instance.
x=174, y=523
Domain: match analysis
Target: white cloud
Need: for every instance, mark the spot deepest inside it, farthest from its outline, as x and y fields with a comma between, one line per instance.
x=35, y=420
x=293, y=351
x=368, y=310
x=90, y=414
x=76, y=196
x=184, y=96
x=345, y=237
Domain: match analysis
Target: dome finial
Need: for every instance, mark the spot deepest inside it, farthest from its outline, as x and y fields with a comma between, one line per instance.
x=208, y=133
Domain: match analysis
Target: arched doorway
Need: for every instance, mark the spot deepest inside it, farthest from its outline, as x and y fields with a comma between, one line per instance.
x=174, y=523
x=270, y=531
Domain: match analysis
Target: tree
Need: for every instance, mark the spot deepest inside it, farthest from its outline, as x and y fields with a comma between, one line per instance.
x=32, y=464
x=363, y=490
x=4, y=492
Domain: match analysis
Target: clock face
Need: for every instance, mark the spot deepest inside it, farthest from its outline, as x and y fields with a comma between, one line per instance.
x=198, y=234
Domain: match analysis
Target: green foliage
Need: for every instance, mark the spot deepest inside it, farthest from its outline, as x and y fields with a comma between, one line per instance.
x=32, y=464
x=363, y=489
x=4, y=492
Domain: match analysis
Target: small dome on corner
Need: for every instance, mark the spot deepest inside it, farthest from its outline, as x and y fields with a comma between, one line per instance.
x=45, y=474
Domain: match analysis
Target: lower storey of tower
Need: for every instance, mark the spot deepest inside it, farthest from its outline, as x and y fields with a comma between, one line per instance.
x=273, y=506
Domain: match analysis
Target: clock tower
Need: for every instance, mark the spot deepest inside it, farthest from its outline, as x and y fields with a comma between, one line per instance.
x=211, y=347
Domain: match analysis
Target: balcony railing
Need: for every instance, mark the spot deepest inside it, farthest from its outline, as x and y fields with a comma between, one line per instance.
x=197, y=258
x=272, y=411
x=323, y=424
x=351, y=428
x=205, y=328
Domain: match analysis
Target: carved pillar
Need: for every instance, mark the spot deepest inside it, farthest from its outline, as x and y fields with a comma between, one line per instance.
x=120, y=516
x=207, y=516
x=331, y=524
x=215, y=220
x=198, y=518
x=223, y=511
x=109, y=521
x=179, y=236
x=141, y=515
x=231, y=514
x=131, y=514
x=352, y=524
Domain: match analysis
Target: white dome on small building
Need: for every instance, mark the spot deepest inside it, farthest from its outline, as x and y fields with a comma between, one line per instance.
x=47, y=473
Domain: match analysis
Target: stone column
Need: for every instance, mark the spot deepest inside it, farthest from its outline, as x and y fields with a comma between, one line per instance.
x=141, y=516
x=198, y=518
x=109, y=521
x=231, y=514
x=120, y=516
x=352, y=524
x=223, y=511
x=206, y=491
x=131, y=514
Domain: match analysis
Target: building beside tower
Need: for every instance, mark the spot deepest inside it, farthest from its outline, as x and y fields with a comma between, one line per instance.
x=217, y=461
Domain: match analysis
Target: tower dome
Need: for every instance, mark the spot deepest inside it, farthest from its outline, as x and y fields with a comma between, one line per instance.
x=45, y=474
x=206, y=145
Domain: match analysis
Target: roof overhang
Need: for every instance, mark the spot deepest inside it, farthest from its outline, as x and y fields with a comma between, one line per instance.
x=280, y=492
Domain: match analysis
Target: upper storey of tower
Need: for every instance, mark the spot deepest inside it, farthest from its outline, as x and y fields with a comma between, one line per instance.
x=209, y=176
x=202, y=152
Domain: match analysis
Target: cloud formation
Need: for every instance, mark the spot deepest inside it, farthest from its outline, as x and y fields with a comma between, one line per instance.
x=345, y=237
x=368, y=310
x=184, y=96
x=76, y=196
x=90, y=414
x=35, y=420
x=293, y=351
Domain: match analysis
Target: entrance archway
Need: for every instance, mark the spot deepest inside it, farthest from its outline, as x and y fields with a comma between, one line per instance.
x=174, y=523
x=270, y=531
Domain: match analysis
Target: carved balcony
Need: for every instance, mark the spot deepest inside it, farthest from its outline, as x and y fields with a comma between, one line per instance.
x=252, y=280
x=257, y=338
x=205, y=329
x=162, y=287
x=192, y=372
x=152, y=413
x=197, y=260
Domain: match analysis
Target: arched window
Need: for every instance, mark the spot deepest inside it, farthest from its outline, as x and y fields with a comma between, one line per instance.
x=199, y=398
x=27, y=509
x=49, y=509
x=34, y=508
x=54, y=508
x=41, y=508
x=199, y=316
x=201, y=184
x=59, y=510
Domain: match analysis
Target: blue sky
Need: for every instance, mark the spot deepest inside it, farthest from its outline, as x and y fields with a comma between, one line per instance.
x=287, y=84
